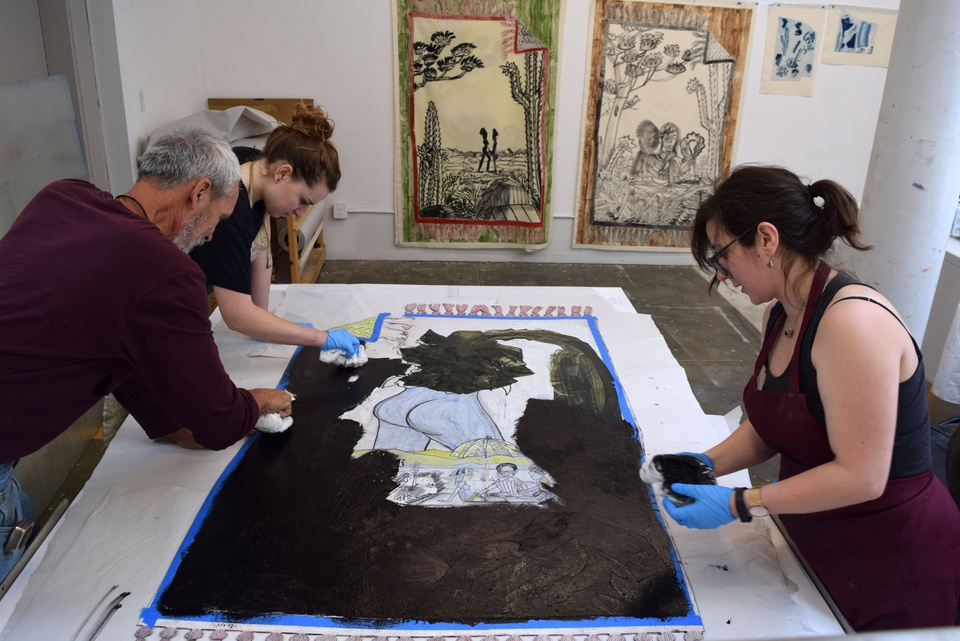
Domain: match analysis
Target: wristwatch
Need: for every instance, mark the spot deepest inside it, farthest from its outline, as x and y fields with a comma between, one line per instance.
x=754, y=505
x=740, y=506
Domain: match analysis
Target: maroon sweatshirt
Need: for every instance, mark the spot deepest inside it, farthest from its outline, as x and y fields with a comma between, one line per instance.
x=95, y=300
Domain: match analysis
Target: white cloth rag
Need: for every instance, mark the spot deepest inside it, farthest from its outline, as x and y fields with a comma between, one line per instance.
x=339, y=357
x=652, y=476
x=273, y=423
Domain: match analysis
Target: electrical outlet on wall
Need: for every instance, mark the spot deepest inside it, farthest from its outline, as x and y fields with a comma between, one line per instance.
x=340, y=210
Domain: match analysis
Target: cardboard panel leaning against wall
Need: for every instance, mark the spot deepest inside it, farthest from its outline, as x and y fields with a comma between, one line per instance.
x=38, y=136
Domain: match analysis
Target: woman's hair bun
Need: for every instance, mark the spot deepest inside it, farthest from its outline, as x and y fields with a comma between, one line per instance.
x=310, y=120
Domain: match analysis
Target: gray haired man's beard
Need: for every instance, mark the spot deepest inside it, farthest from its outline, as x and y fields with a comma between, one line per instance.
x=188, y=245
x=187, y=239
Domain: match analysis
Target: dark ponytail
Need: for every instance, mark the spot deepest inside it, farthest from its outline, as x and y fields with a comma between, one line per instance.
x=839, y=210
x=809, y=218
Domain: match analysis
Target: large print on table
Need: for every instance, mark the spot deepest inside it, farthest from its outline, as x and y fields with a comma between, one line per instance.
x=663, y=88
x=479, y=475
x=476, y=81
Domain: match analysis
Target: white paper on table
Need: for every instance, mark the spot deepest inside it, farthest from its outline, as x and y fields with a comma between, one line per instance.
x=616, y=297
x=139, y=483
x=733, y=560
x=325, y=308
x=135, y=461
x=656, y=386
x=273, y=350
x=78, y=591
x=395, y=298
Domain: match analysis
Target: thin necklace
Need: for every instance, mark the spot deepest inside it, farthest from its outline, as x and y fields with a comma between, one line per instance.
x=137, y=203
x=250, y=191
x=788, y=332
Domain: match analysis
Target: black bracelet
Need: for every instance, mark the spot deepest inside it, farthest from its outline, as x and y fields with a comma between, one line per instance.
x=742, y=512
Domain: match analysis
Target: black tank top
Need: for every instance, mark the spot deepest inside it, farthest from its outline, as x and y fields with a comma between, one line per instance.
x=911, y=448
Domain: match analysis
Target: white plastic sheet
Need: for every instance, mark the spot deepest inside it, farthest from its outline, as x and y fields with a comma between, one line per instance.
x=126, y=525
x=946, y=384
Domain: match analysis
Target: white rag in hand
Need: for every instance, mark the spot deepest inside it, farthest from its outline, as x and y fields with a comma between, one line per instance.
x=651, y=475
x=339, y=357
x=273, y=423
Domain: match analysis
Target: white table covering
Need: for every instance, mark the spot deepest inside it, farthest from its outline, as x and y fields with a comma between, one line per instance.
x=123, y=529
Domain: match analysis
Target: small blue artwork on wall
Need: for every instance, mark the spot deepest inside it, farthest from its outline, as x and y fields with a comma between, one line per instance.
x=795, y=50
x=855, y=35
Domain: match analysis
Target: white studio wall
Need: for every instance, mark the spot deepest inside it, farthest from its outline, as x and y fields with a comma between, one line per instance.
x=161, y=66
x=339, y=53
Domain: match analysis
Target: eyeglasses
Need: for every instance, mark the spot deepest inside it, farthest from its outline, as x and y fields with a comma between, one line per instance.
x=714, y=259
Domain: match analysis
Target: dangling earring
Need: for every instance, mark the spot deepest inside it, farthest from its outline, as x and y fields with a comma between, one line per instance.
x=770, y=264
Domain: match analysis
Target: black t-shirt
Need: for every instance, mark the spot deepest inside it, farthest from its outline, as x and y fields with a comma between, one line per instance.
x=225, y=260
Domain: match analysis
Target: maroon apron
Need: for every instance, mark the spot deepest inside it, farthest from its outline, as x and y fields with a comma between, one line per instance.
x=893, y=562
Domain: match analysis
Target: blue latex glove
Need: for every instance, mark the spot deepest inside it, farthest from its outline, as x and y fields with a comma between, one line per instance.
x=343, y=340
x=703, y=458
x=710, y=508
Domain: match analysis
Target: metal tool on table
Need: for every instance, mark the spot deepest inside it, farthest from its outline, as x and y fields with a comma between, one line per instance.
x=21, y=536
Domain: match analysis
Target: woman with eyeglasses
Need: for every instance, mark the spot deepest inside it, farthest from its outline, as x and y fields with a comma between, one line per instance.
x=839, y=393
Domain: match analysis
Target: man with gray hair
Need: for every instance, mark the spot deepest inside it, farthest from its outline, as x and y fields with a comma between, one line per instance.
x=98, y=296
x=187, y=157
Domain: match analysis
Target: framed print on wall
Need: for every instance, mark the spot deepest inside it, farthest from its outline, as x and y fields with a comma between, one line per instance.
x=663, y=93
x=475, y=90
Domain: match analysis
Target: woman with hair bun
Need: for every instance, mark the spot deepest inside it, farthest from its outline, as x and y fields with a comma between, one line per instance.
x=839, y=393
x=298, y=168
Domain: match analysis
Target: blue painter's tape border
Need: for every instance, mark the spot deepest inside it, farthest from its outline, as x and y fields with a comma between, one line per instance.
x=151, y=615
x=377, y=326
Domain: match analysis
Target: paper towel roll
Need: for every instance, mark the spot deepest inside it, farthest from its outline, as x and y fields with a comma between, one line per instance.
x=282, y=236
x=946, y=384
x=308, y=227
